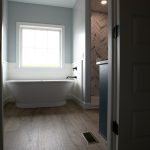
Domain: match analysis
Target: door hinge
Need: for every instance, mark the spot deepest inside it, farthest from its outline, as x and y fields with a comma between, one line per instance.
x=116, y=31
x=115, y=127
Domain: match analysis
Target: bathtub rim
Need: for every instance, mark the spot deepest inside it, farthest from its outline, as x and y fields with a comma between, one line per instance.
x=34, y=81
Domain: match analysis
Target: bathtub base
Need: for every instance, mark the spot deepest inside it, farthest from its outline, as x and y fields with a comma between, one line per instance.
x=39, y=104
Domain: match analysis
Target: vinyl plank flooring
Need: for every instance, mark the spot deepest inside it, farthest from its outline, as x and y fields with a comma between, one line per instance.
x=57, y=128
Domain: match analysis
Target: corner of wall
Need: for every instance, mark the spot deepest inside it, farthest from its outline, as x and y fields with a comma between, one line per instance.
x=81, y=48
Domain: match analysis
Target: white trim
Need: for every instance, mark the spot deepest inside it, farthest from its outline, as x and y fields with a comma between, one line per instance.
x=60, y=28
x=103, y=139
x=41, y=104
x=95, y=101
x=112, y=75
x=8, y=99
x=81, y=103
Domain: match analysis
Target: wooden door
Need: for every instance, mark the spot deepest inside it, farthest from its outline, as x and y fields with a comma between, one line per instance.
x=133, y=56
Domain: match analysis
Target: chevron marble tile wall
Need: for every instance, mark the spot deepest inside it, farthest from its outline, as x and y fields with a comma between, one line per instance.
x=99, y=46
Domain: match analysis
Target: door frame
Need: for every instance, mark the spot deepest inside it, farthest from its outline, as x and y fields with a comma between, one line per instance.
x=113, y=73
x=1, y=100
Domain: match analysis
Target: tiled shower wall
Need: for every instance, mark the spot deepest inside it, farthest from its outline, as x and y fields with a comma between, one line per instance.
x=99, y=47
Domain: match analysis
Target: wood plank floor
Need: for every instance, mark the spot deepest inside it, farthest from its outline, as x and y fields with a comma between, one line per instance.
x=50, y=128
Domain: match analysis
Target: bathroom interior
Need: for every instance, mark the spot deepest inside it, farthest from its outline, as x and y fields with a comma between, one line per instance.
x=50, y=103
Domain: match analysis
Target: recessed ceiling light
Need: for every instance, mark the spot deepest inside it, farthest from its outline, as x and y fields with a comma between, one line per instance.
x=103, y=2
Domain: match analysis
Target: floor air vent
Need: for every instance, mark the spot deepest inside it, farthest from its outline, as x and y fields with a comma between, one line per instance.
x=89, y=137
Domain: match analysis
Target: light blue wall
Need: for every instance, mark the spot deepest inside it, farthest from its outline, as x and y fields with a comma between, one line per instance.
x=4, y=31
x=4, y=47
x=21, y=12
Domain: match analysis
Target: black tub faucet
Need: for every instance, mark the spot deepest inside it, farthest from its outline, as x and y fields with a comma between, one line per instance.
x=75, y=68
x=71, y=77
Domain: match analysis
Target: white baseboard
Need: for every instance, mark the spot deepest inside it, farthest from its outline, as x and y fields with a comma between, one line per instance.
x=103, y=139
x=8, y=100
x=83, y=104
x=95, y=101
x=40, y=104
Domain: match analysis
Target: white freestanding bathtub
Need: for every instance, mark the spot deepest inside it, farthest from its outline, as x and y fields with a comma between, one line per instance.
x=39, y=93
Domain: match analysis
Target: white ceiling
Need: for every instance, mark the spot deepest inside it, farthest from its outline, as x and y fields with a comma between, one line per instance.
x=59, y=3
x=95, y=4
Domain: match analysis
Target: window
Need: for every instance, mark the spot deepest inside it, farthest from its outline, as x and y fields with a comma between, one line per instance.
x=40, y=46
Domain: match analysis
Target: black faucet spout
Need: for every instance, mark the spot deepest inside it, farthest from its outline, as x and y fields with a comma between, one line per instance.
x=71, y=77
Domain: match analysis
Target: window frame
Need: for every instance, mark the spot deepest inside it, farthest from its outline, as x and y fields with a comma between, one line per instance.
x=38, y=26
